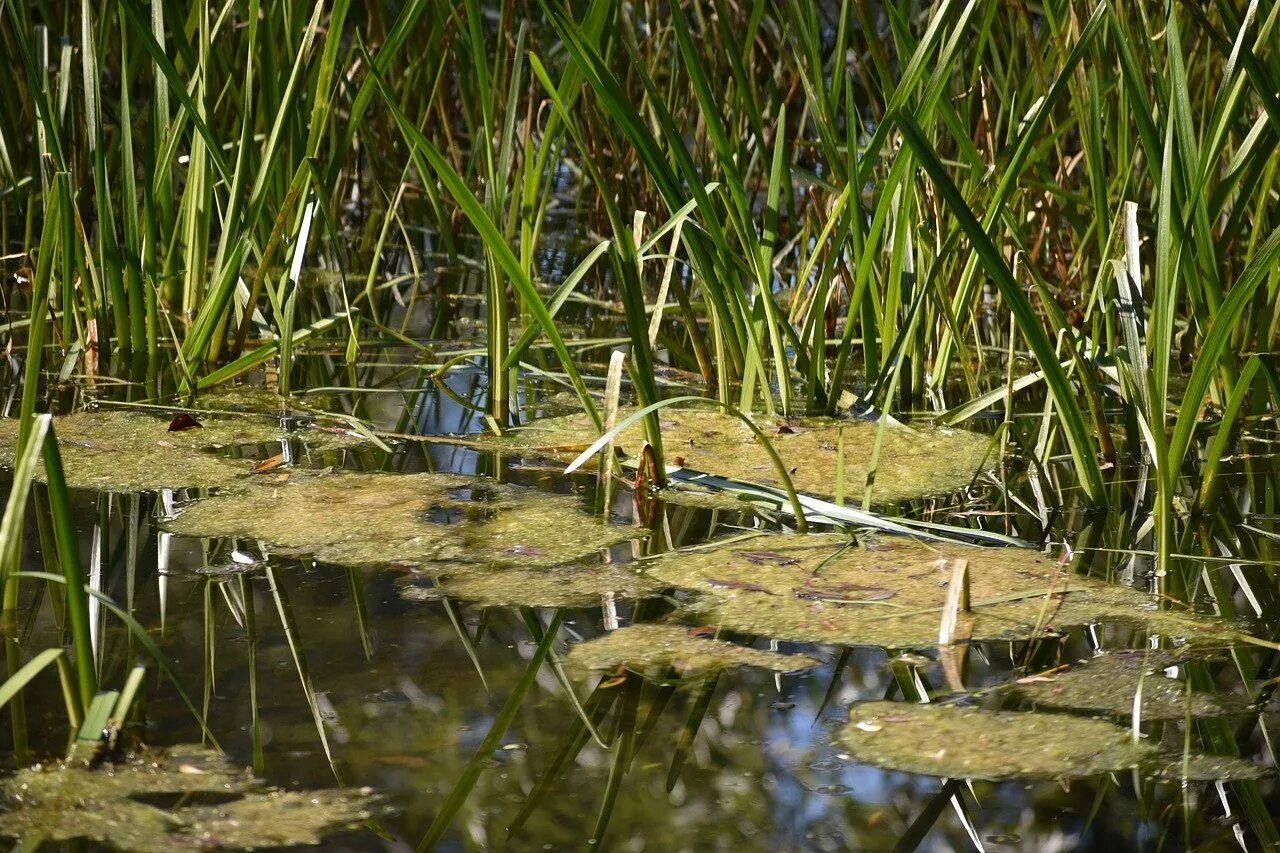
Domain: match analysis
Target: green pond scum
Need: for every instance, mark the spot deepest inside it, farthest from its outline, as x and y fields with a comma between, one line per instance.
x=911, y=461
x=1122, y=683
x=570, y=585
x=976, y=743
x=655, y=649
x=594, y=425
x=412, y=520
x=212, y=805
x=893, y=592
x=116, y=450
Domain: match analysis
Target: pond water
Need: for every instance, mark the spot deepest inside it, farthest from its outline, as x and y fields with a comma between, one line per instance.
x=321, y=675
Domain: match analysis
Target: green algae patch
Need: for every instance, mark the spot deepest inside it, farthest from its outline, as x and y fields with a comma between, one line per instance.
x=974, y=743
x=118, y=450
x=656, y=648
x=1108, y=684
x=219, y=805
x=519, y=586
x=912, y=462
x=823, y=588
x=376, y=519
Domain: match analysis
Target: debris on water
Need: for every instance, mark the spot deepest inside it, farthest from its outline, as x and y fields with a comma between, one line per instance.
x=1108, y=683
x=182, y=422
x=819, y=589
x=650, y=649
x=975, y=743
x=912, y=462
x=377, y=519
x=220, y=806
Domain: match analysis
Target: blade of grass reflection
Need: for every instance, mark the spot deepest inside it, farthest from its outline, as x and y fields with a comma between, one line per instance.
x=623, y=745
x=360, y=605
x=208, y=645
x=471, y=773
x=684, y=746
x=597, y=705
x=661, y=698
x=924, y=822
x=530, y=618
x=454, y=612
x=251, y=640
x=841, y=662
x=285, y=609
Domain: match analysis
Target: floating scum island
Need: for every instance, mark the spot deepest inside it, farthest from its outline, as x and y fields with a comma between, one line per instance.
x=822, y=588
x=358, y=519
x=107, y=804
x=912, y=462
x=119, y=450
x=976, y=743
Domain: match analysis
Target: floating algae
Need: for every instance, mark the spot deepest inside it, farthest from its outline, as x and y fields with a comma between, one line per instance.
x=822, y=588
x=653, y=648
x=912, y=462
x=126, y=451
x=973, y=743
x=1107, y=684
x=560, y=586
x=359, y=519
x=221, y=807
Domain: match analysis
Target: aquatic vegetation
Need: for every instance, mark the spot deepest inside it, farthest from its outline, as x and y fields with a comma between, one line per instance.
x=125, y=451
x=217, y=805
x=824, y=588
x=1053, y=225
x=358, y=519
x=654, y=649
x=1122, y=683
x=569, y=585
x=976, y=743
x=912, y=461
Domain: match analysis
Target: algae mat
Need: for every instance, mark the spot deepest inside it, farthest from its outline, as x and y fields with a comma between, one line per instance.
x=912, y=462
x=63, y=803
x=1124, y=682
x=125, y=451
x=652, y=649
x=974, y=743
x=523, y=586
x=358, y=519
x=823, y=588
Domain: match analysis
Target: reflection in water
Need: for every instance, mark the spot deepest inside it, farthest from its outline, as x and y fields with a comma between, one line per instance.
x=464, y=717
